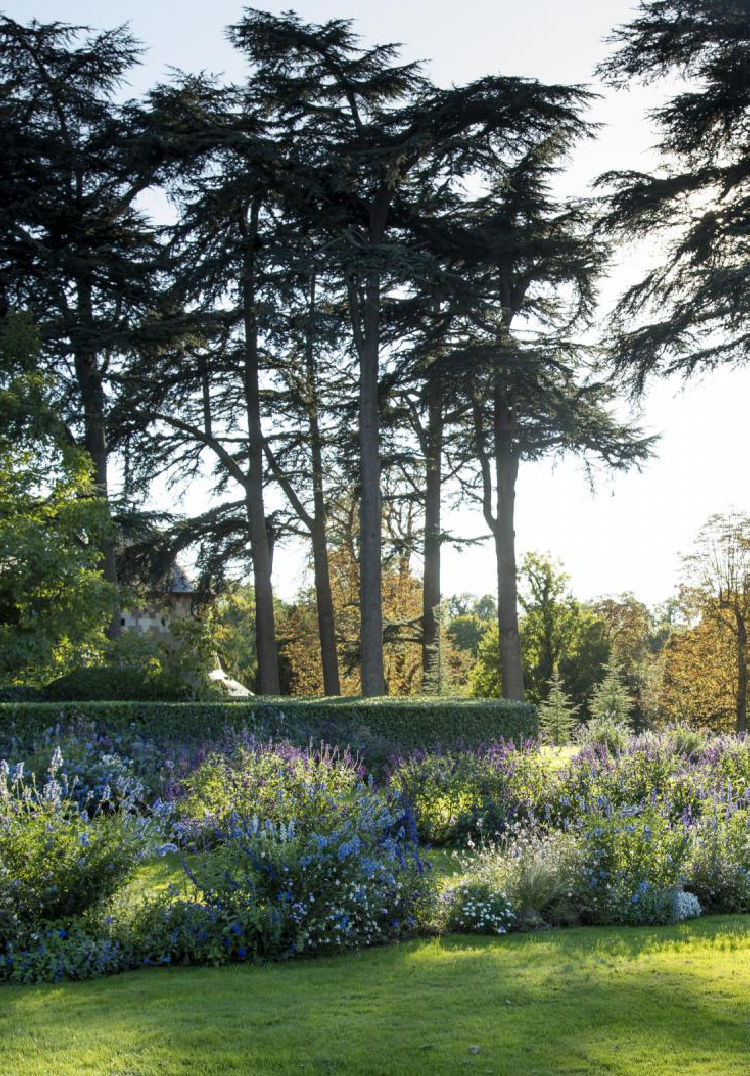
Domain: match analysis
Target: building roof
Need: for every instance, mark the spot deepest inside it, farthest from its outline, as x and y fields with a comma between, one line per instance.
x=180, y=582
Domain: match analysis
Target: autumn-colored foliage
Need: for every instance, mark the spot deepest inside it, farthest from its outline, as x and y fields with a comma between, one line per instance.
x=402, y=608
x=700, y=673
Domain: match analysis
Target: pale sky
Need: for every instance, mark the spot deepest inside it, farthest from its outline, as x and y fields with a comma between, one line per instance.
x=628, y=533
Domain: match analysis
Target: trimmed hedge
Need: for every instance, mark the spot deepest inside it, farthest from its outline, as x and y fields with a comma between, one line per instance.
x=407, y=722
x=107, y=682
x=20, y=693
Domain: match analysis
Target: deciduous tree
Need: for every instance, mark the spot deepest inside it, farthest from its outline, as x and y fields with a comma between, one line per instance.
x=718, y=588
x=54, y=601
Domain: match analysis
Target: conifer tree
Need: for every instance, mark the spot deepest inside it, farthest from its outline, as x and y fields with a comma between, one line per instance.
x=529, y=390
x=691, y=310
x=610, y=700
x=382, y=140
x=557, y=714
x=75, y=251
x=204, y=391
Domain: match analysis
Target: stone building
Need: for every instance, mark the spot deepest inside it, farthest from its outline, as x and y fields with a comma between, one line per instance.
x=156, y=617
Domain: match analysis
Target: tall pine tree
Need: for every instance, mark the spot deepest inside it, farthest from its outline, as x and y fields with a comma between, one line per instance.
x=75, y=251
x=690, y=311
x=382, y=140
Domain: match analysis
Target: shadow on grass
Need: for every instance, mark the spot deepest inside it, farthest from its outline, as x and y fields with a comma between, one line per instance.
x=714, y=932
x=580, y=1001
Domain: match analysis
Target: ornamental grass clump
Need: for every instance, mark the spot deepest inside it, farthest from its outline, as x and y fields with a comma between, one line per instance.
x=604, y=731
x=537, y=870
x=532, y=869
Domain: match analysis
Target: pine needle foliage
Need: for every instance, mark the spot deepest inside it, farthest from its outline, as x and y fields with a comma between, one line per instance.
x=557, y=714
x=690, y=311
x=610, y=701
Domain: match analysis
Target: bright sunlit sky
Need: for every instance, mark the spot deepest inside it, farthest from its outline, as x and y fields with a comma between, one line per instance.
x=629, y=532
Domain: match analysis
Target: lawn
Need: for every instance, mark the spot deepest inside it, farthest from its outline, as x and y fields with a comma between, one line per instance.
x=648, y=1001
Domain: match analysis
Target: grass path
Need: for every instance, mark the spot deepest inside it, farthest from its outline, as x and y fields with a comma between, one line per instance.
x=652, y=1001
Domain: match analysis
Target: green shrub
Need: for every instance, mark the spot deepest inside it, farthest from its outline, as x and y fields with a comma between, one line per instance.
x=687, y=741
x=109, y=682
x=55, y=860
x=280, y=890
x=732, y=754
x=278, y=783
x=20, y=693
x=719, y=868
x=460, y=792
x=605, y=731
x=70, y=949
x=631, y=862
x=653, y=906
x=404, y=723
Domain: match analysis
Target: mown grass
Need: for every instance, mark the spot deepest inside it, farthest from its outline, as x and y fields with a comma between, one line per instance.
x=652, y=1001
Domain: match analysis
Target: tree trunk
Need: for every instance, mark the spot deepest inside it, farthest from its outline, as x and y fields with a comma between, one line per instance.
x=326, y=615
x=323, y=598
x=265, y=626
x=741, y=672
x=91, y=387
x=506, y=473
x=432, y=533
x=370, y=512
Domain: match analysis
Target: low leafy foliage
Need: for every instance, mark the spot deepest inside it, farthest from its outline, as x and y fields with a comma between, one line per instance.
x=57, y=860
x=289, y=890
x=279, y=783
x=478, y=908
x=455, y=793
